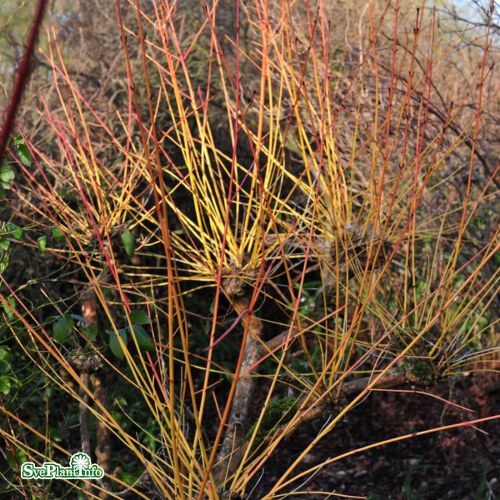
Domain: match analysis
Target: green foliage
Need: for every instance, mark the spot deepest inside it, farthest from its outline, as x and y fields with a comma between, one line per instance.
x=8, y=379
x=6, y=177
x=8, y=306
x=90, y=332
x=139, y=318
x=41, y=242
x=7, y=174
x=15, y=231
x=136, y=330
x=7, y=232
x=277, y=413
x=22, y=151
x=116, y=348
x=65, y=325
x=128, y=241
x=62, y=328
x=4, y=254
x=57, y=234
x=144, y=340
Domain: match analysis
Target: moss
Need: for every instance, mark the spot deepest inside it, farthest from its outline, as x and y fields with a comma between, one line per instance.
x=420, y=371
x=278, y=412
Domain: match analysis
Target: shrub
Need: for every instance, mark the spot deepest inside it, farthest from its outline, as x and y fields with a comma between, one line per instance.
x=266, y=231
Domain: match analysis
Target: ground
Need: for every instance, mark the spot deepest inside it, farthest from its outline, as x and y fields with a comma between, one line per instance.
x=458, y=464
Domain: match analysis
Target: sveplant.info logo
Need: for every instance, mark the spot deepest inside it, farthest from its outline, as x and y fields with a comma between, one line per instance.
x=80, y=467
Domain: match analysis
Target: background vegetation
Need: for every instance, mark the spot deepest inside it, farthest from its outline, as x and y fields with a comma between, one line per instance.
x=229, y=227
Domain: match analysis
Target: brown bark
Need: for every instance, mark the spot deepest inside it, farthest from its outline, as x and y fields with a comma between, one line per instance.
x=232, y=448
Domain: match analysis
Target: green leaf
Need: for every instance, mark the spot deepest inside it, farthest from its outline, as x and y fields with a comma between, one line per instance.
x=57, y=234
x=4, y=368
x=69, y=319
x=6, y=174
x=128, y=477
x=128, y=241
x=5, y=360
x=16, y=231
x=8, y=312
x=139, y=318
x=144, y=340
x=90, y=332
x=5, y=355
x=42, y=243
x=5, y=385
x=24, y=155
x=4, y=261
x=114, y=343
x=212, y=307
x=62, y=328
x=4, y=243
x=16, y=457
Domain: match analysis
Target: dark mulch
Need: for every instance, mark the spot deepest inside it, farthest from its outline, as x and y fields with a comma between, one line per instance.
x=458, y=464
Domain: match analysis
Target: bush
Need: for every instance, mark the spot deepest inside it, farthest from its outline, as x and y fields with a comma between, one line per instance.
x=255, y=232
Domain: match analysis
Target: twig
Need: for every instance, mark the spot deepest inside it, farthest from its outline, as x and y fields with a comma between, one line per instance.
x=103, y=446
x=22, y=77
x=84, y=365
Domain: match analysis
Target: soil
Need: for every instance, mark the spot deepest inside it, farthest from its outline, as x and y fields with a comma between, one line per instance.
x=457, y=464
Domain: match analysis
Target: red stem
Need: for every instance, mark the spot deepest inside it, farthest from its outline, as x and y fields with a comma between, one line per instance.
x=22, y=77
